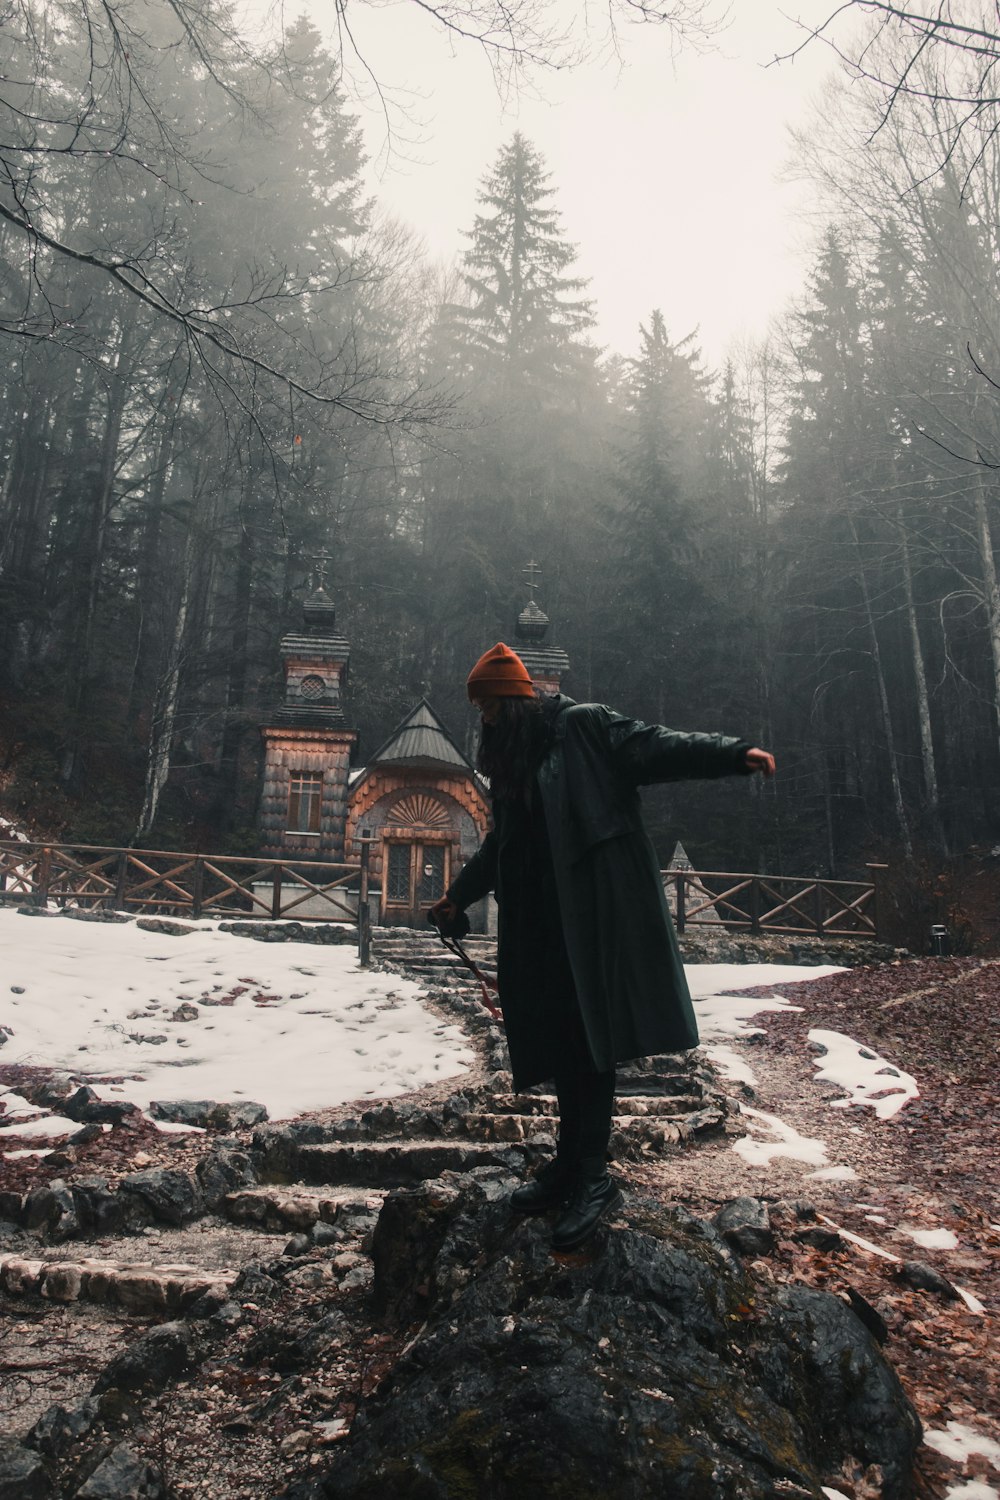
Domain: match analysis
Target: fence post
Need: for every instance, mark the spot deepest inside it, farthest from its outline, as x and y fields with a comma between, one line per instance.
x=44, y=876
x=364, y=915
x=681, y=903
x=755, y=904
x=818, y=906
x=876, y=898
x=121, y=878
x=276, y=893
x=197, y=882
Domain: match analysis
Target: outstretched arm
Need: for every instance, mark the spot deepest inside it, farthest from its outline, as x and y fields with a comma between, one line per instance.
x=760, y=760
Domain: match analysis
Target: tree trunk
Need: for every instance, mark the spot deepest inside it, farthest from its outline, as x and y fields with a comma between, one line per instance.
x=234, y=728
x=81, y=645
x=991, y=588
x=164, y=714
x=887, y=729
x=927, y=756
x=148, y=567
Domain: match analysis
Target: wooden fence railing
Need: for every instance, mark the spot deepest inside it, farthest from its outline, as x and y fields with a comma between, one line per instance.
x=189, y=885
x=209, y=885
x=787, y=904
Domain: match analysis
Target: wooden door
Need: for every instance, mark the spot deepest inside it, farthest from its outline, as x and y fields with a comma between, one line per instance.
x=415, y=875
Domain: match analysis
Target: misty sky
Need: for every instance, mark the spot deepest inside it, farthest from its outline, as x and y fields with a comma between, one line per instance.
x=668, y=172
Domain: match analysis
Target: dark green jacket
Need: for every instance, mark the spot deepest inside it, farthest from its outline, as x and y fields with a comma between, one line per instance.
x=633, y=996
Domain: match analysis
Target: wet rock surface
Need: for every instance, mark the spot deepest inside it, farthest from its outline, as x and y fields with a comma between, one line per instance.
x=645, y=1368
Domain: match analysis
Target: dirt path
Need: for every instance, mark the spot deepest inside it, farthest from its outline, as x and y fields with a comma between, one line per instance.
x=930, y=1169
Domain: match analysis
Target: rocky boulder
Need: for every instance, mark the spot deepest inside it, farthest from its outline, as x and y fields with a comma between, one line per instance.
x=170, y=1196
x=651, y=1365
x=151, y=1362
x=23, y=1475
x=123, y=1475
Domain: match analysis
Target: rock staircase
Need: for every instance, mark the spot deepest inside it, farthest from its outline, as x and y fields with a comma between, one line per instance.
x=421, y=955
x=275, y=1226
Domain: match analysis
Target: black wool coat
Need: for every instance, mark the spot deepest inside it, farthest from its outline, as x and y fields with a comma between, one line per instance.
x=630, y=985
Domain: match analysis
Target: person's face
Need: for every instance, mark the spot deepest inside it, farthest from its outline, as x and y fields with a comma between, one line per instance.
x=487, y=708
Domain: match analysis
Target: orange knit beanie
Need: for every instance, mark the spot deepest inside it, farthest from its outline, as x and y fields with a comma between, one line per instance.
x=500, y=673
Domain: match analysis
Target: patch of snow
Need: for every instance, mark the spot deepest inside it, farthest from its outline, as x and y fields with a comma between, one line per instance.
x=174, y=1127
x=876, y=1219
x=832, y=1494
x=957, y=1442
x=16, y=1107
x=931, y=1239
x=833, y=1174
x=972, y=1489
x=784, y=1141
x=971, y=1301
x=45, y=1127
x=294, y=1028
x=868, y=1078
x=722, y=1011
x=729, y=1063
x=21, y=1155
x=329, y=1432
x=856, y=1239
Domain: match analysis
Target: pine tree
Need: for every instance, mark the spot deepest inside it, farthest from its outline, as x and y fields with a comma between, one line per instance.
x=525, y=315
x=660, y=475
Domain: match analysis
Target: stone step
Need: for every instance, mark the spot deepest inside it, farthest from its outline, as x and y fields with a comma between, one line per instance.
x=414, y=952
x=395, y=1164
x=431, y=964
x=297, y=1208
x=136, y=1286
x=678, y=1093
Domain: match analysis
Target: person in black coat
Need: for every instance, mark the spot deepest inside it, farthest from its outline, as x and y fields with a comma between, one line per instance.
x=588, y=967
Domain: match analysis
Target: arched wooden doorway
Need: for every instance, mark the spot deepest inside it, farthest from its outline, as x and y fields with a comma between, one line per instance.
x=416, y=867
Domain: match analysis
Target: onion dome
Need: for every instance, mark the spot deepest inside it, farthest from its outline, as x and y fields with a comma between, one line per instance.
x=532, y=623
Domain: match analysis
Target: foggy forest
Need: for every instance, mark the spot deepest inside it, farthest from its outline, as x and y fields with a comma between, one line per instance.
x=223, y=364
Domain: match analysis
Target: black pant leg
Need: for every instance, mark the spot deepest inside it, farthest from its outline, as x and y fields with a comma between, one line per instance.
x=586, y=1101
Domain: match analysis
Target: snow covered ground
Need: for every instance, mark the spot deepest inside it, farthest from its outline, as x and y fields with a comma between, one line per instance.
x=211, y=1015
x=298, y=1027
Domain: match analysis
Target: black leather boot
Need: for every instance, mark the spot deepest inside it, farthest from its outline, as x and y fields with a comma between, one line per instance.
x=549, y=1188
x=594, y=1195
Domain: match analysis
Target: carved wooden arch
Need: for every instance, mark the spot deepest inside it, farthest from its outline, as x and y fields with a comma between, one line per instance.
x=419, y=809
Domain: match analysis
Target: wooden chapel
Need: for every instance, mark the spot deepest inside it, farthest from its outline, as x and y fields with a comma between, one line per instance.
x=418, y=798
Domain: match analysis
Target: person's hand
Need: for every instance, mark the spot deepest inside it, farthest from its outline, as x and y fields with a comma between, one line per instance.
x=759, y=760
x=442, y=912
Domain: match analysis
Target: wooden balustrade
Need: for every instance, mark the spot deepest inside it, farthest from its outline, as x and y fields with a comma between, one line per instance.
x=178, y=884
x=787, y=904
x=210, y=885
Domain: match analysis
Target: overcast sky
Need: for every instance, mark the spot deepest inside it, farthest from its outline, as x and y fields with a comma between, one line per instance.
x=669, y=172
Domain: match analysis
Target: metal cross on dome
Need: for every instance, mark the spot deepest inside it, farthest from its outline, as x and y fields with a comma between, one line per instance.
x=533, y=573
x=321, y=559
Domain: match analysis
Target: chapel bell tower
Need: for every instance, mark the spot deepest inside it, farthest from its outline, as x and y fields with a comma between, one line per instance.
x=547, y=665
x=308, y=744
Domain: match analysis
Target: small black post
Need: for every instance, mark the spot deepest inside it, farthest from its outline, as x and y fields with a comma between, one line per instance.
x=197, y=885
x=755, y=904
x=43, y=877
x=121, y=879
x=364, y=915
x=876, y=898
x=681, y=903
x=276, y=894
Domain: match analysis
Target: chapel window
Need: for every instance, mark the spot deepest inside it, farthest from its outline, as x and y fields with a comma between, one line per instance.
x=305, y=800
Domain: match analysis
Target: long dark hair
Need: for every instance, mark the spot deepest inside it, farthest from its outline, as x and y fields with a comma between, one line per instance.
x=511, y=750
